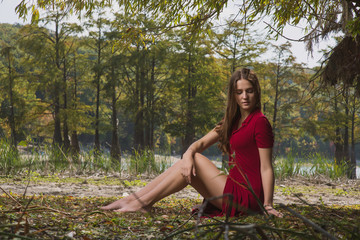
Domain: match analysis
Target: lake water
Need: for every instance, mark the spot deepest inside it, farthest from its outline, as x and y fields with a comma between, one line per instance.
x=217, y=161
x=308, y=169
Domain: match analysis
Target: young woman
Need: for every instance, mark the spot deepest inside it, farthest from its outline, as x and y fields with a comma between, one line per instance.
x=246, y=136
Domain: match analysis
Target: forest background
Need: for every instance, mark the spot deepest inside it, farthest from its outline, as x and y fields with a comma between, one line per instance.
x=118, y=84
x=90, y=112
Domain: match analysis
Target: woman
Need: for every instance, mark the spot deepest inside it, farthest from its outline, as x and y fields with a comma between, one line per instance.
x=246, y=135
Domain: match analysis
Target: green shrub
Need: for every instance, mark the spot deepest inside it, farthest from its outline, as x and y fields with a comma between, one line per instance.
x=10, y=161
x=286, y=167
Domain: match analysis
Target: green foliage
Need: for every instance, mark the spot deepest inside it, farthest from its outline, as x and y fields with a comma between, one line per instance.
x=144, y=161
x=326, y=167
x=310, y=166
x=54, y=160
x=10, y=162
x=286, y=167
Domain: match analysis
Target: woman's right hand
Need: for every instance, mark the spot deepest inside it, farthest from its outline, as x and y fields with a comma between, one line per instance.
x=188, y=167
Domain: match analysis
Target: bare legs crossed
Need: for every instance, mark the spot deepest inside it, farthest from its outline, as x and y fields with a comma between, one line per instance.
x=208, y=182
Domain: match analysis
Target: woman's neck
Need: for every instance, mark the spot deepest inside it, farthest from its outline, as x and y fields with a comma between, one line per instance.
x=244, y=114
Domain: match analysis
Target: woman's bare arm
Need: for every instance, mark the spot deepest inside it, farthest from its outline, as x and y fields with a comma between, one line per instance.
x=268, y=180
x=188, y=168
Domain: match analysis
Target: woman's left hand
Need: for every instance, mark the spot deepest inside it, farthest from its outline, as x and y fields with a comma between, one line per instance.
x=272, y=211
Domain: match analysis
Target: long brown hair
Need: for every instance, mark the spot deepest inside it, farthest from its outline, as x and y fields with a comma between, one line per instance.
x=225, y=127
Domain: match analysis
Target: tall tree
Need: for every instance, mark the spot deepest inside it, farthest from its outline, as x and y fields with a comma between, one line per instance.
x=198, y=83
x=6, y=52
x=284, y=85
x=146, y=72
x=52, y=50
x=98, y=43
x=354, y=123
x=17, y=100
x=114, y=93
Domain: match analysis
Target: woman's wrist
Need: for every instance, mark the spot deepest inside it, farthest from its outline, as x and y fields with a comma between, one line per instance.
x=190, y=151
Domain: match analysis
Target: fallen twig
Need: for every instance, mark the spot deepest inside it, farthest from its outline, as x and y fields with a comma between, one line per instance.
x=24, y=195
x=11, y=197
x=95, y=212
x=309, y=222
x=15, y=236
x=23, y=213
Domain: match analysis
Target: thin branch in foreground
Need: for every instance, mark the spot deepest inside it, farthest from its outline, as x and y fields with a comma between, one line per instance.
x=309, y=222
x=15, y=236
x=23, y=213
x=11, y=197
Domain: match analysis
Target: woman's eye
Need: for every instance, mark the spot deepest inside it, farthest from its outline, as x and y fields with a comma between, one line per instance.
x=250, y=90
x=239, y=92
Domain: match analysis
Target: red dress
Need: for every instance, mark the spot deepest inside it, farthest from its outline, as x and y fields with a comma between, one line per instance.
x=244, y=162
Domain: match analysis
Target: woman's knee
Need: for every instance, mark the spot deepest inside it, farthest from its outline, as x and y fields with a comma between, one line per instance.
x=200, y=157
x=201, y=161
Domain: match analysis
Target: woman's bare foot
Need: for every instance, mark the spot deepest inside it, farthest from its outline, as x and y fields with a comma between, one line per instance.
x=115, y=205
x=135, y=206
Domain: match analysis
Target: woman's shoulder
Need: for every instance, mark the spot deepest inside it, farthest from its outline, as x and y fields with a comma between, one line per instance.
x=258, y=114
x=260, y=118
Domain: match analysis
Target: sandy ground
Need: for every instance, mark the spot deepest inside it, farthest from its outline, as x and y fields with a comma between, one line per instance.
x=295, y=190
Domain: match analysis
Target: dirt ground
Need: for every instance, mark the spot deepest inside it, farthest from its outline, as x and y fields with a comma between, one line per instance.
x=297, y=190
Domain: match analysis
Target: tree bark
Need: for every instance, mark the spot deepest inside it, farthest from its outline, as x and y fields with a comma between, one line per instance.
x=191, y=94
x=149, y=128
x=115, y=146
x=276, y=98
x=139, y=102
x=352, y=174
x=97, y=80
x=11, y=100
x=339, y=147
x=57, y=120
x=346, y=156
x=75, y=147
x=65, y=121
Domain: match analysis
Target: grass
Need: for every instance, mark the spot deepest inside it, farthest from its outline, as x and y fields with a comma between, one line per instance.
x=49, y=160
x=313, y=165
x=53, y=160
x=66, y=217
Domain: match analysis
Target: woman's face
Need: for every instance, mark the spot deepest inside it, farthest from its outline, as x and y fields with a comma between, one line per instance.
x=245, y=95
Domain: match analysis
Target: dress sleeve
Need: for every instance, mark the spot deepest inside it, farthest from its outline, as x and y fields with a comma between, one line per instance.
x=264, y=136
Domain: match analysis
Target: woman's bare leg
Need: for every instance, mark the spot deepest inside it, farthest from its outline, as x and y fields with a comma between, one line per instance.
x=208, y=182
x=149, y=187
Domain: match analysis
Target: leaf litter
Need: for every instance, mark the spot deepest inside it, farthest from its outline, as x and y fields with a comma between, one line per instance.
x=69, y=210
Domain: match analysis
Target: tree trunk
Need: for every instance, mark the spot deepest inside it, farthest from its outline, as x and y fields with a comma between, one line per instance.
x=150, y=119
x=115, y=146
x=352, y=174
x=191, y=94
x=11, y=100
x=65, y=123
x=276, y=98
x=75, y=147
x=97, y=117
x=139, y=102
x=57, y=121
x=346, y=156
x=233, y=67
x=339, y=147
x=97, y=111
